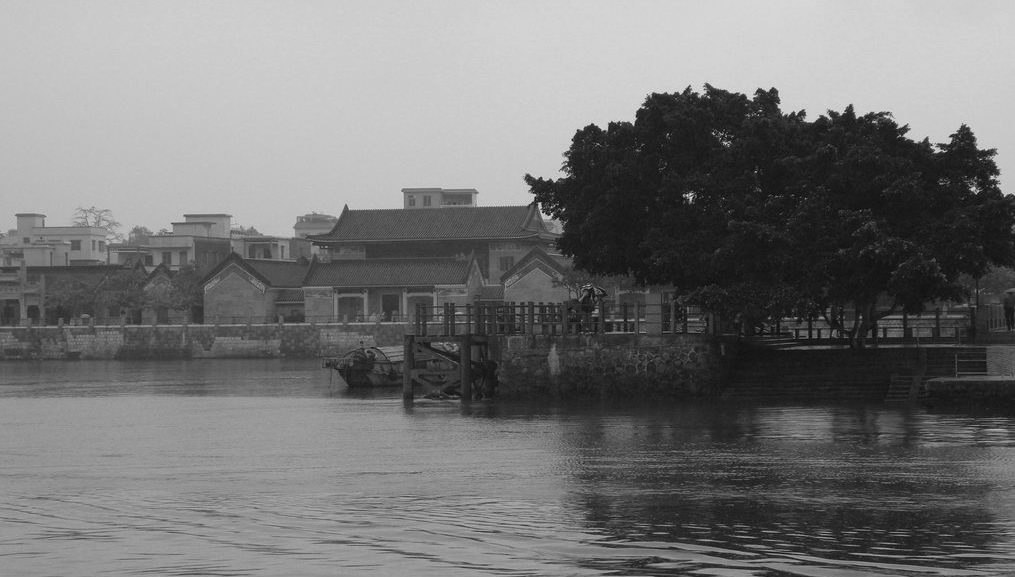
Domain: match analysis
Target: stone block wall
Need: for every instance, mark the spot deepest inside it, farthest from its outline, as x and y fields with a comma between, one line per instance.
x=194, y=341
x=607, y=367
x=596, y=366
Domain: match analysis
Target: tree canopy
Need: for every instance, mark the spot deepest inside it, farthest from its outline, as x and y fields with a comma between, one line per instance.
x=139, y=235
x=98, y=217
x=759, y=211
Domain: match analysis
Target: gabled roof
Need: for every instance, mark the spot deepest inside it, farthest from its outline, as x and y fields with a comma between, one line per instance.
x=161, y=270
x=537, y=258
x=273, y=273
x=395, y=272
x=448, y=223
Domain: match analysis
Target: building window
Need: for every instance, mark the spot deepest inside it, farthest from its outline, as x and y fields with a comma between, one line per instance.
x=412, y=200
x=102, y=246
x=93, y=245
x=426, y=200
x=27, y=240
x=167, y=258
x=506, y=262
x=183, y=257
x=75, y=245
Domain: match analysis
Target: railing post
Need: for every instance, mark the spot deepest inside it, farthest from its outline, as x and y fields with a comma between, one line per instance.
x=937, y=323
x=905, y=327
x=564, y=321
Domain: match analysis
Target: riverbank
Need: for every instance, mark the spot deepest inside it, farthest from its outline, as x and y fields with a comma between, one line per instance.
x=598, y=366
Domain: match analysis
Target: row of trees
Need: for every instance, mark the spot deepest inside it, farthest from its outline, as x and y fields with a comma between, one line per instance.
x=127, y=291
x=752, y=210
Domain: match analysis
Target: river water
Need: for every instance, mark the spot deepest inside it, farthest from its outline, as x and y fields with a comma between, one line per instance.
x=266, y=468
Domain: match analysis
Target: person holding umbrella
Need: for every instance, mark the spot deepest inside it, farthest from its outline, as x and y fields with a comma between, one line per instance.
x=1009, y=309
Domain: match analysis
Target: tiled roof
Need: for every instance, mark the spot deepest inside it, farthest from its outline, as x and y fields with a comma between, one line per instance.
x=494, y=292
x=388, y=272
x=479, y=222
x=289, y=295
x=279, y=273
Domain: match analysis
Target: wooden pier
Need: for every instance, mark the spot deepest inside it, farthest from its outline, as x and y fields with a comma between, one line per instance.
x=472, y=357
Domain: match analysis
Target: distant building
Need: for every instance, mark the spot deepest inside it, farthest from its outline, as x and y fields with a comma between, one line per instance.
x=438, y=197
x=382, y=262
x=240, y=290
x=24, y=290
x=308, y=225
x=201, y=239
x=34, y=244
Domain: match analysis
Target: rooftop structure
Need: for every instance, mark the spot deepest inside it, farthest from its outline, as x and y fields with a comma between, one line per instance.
x=438, y=197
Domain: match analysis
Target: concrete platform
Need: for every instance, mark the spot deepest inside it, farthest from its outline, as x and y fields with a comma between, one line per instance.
x=971, y=388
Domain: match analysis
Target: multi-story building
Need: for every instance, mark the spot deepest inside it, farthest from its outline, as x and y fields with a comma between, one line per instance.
x=265, y=247
x=438, y=197
x=201, y=239
x=34, y=244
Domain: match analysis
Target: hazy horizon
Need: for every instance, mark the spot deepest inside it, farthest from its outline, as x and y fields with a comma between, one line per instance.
x=271, y=110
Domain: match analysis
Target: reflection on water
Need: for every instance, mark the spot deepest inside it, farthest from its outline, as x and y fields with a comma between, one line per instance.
x=266, y=468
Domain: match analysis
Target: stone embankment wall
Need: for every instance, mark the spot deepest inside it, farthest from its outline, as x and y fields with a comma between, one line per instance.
x=593, y=366
x=610, y=366
x=193, y=341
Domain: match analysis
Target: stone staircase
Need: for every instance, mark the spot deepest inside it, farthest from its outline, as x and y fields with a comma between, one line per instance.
x=842, y=374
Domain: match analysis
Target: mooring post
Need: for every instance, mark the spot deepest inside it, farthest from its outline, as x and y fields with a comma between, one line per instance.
x=408, y=362
x=465, y=364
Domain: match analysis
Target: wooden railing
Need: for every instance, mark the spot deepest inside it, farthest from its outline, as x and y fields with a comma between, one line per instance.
x=555, y=319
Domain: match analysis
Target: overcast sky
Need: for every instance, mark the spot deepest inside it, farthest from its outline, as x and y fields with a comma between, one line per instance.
x=269, y=110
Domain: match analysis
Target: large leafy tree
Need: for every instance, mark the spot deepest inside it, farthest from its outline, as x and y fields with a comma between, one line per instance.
x=70, y=297
x=124, y=290
x=757, y=211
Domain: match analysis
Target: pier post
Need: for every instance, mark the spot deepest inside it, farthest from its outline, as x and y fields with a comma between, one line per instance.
x=408, y=364
x=465, y=364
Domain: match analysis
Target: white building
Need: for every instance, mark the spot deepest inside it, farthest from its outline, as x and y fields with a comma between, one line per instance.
x=200, y=239
x=34, y=244
x=438, y=197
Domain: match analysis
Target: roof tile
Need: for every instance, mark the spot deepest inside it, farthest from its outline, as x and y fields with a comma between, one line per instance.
x=389, y=272
x=449, y=223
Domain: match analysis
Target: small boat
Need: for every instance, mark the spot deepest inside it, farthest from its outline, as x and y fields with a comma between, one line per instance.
x=370, y=366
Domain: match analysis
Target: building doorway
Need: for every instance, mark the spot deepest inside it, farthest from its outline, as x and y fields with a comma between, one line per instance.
x=10, y=312
x=390, y=306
